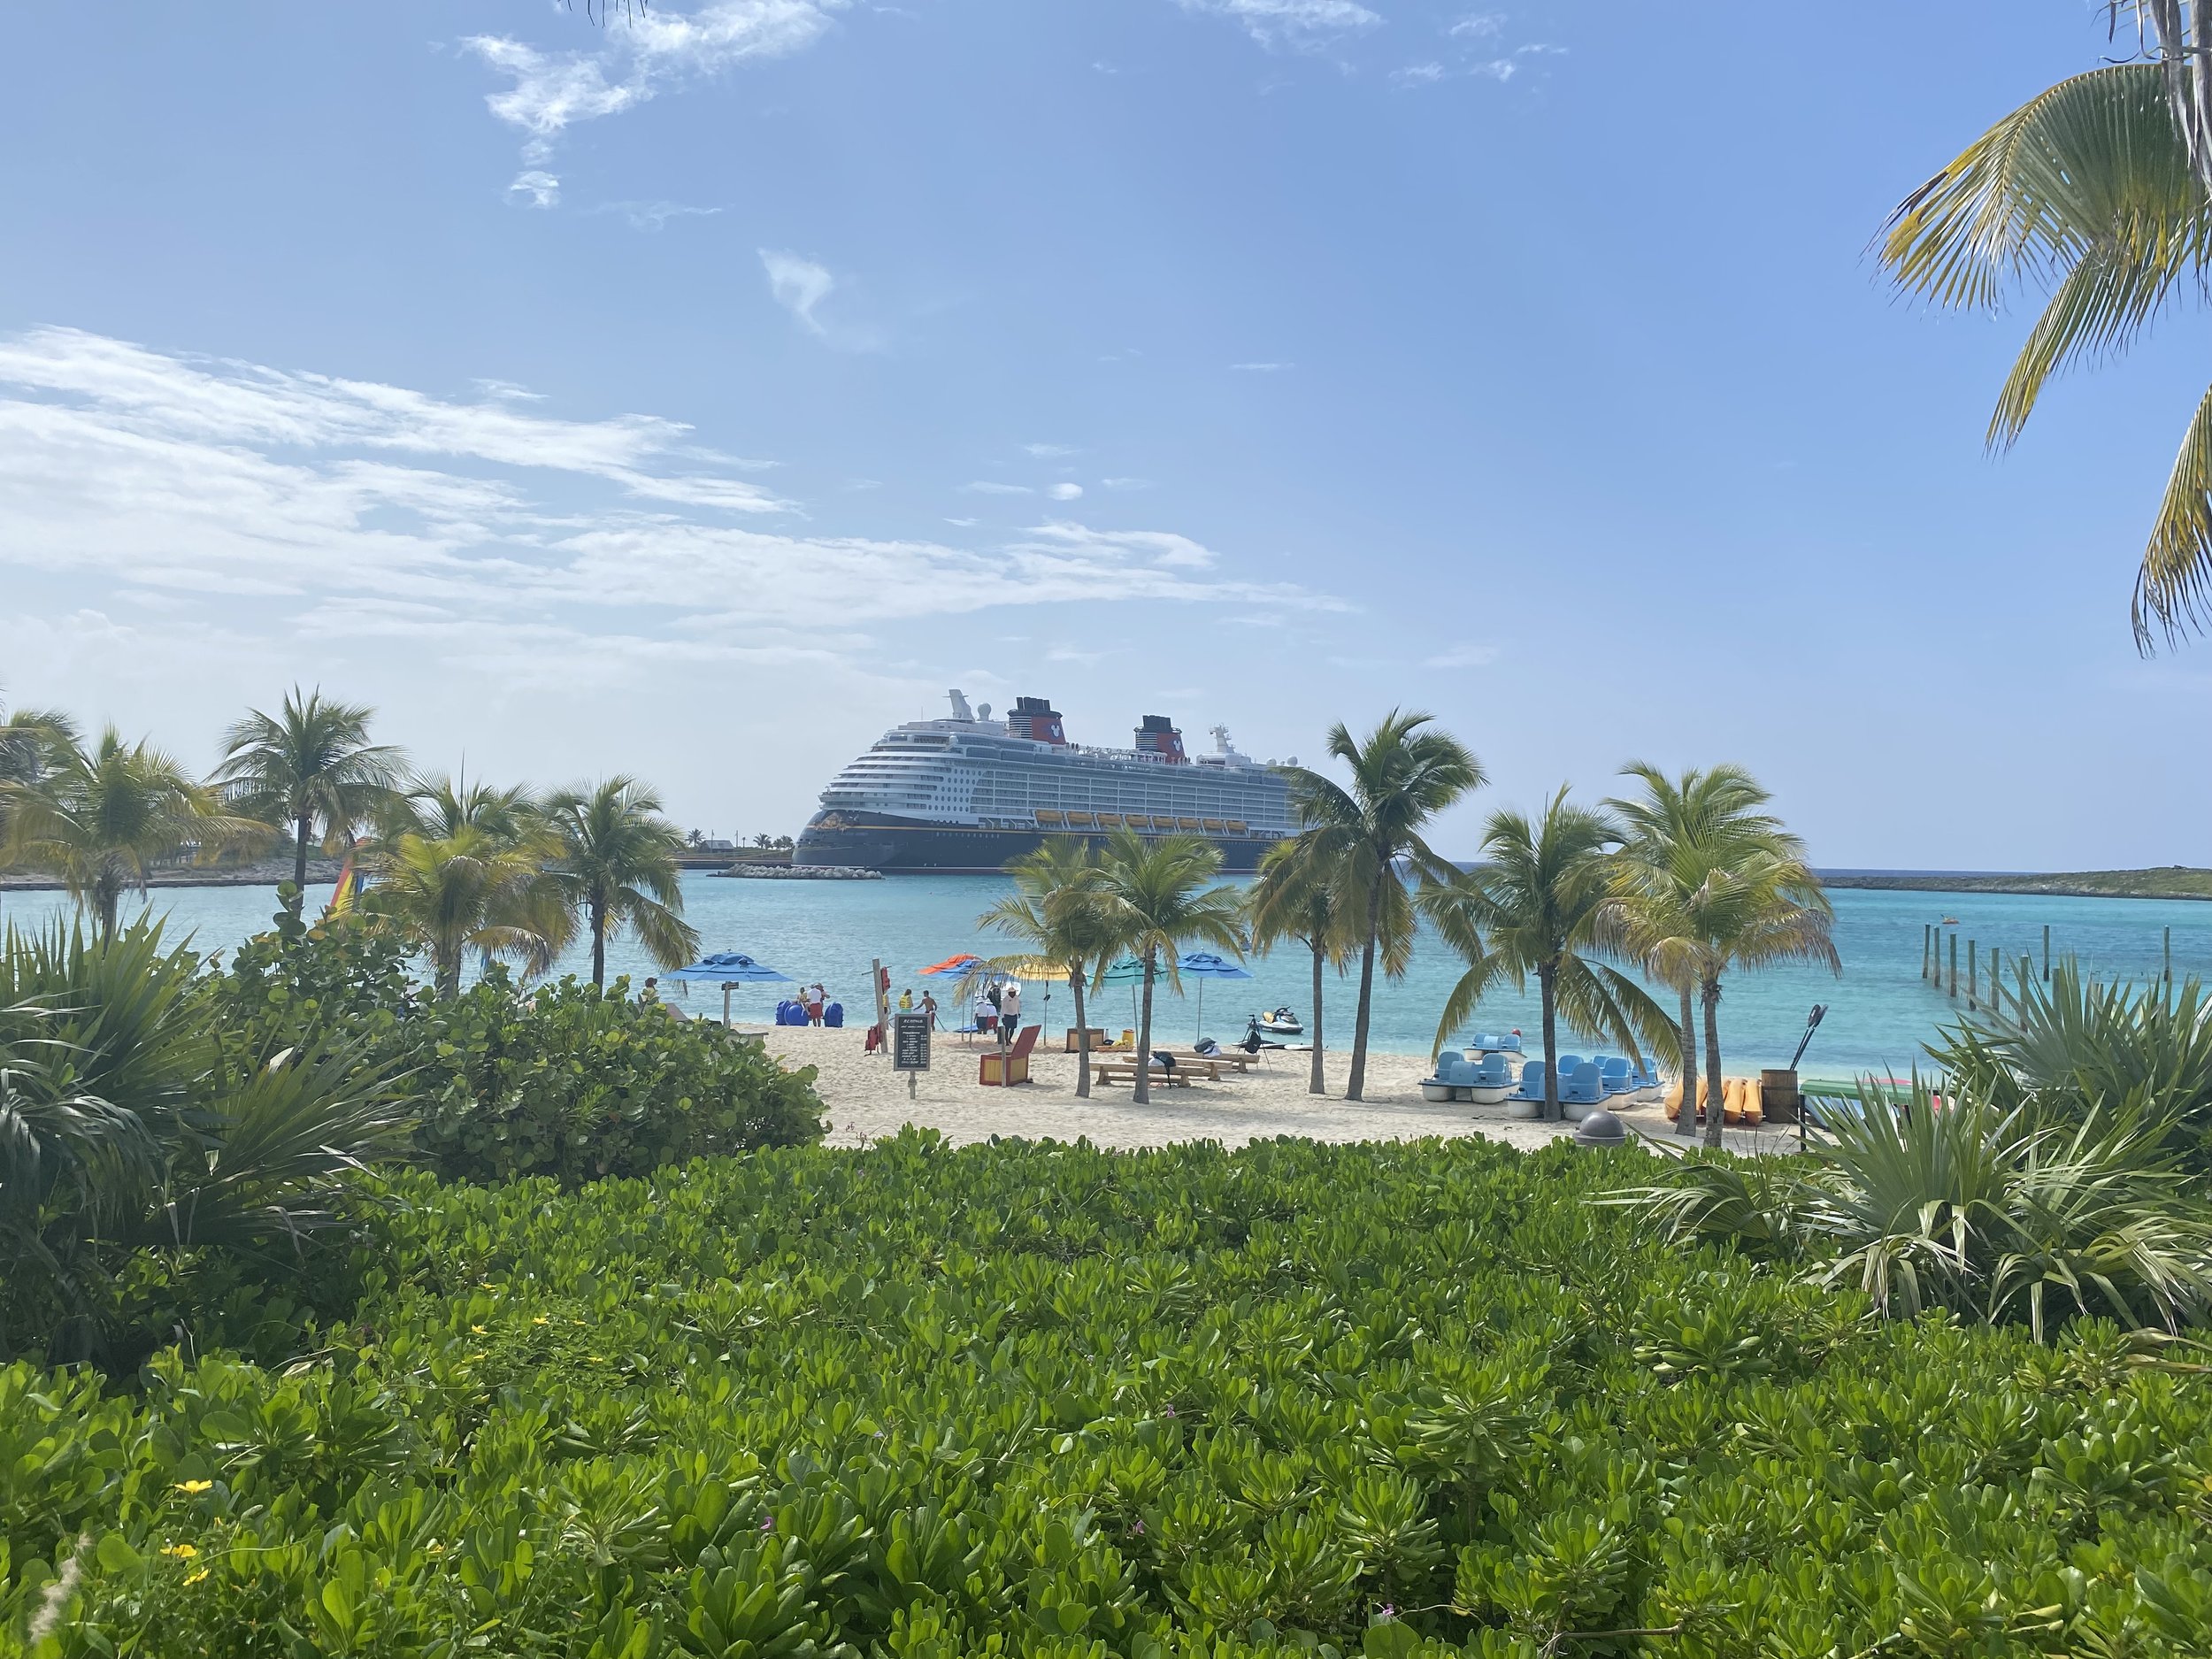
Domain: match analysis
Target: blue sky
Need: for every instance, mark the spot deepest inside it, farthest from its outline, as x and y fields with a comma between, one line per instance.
x=699, y=395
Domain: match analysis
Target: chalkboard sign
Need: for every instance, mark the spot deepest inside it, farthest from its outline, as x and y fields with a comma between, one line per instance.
x=910, y=1042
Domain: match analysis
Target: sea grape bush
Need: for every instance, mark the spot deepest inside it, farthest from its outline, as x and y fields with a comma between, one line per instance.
x=1049, y=1402
x=561, y=1079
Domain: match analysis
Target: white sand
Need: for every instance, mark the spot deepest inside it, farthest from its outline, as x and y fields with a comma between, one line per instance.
x=866, y=1101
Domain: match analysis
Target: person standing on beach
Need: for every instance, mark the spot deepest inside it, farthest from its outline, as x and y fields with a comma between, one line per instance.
x=929, y=1007
x=1009, y=1011
x=906, y=1001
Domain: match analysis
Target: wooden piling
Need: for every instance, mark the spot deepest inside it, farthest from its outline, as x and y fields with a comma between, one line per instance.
x=2167, y=974
x=1996, y=983
x=2047, y=953
x=1954, y=967
x=1926, y=945
x=1973, y=961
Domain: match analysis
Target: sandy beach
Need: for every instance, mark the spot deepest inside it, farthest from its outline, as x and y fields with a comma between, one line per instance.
x=866, y=1101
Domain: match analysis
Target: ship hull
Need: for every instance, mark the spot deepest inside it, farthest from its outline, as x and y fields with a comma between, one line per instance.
x=909, y=847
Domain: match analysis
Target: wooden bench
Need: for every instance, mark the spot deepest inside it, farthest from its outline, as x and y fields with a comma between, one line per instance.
x=1125, y=1071
x=1236, y=1058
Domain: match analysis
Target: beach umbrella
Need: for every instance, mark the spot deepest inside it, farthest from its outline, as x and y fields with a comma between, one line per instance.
x=729, y=969
x=1204, y=965
x=960, y=963
x=1129, y=971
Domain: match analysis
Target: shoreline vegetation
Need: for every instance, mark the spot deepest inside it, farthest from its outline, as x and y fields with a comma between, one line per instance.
x=2167, y=881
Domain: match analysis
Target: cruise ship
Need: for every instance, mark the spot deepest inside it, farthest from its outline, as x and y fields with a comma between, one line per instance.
x=963, y=794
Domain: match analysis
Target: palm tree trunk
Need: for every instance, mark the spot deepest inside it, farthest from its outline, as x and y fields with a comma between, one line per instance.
x=1144, y=1039
x=1316, y=1081
x=1546, y=975
x=107, y=893
x=1357, y=1081
x=1082, y=1040
x=598, y=943
x=299, y=860
x=1686, y=1117
x=1713, y=1112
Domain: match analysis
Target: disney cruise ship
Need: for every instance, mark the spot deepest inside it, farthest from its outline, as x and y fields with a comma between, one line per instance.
x=963, y=795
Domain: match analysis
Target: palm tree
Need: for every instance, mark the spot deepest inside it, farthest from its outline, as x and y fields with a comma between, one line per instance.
x=614, y=860
x=1056, y=912
x=1401, y=778
x=1302, y=895
x=1709, y=881
x=31, y=742
x=101, y=817
x=436, y=805
x=1152, y=899
x=2096, y=189
x=1676, y=830
x=1540, y=903
x=450, y=895
x=309, y=766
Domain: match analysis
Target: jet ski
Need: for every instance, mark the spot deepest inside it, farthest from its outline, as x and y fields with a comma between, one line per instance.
x=1281, y=1023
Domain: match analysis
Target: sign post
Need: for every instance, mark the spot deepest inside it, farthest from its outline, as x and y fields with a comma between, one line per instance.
x=909, y=1046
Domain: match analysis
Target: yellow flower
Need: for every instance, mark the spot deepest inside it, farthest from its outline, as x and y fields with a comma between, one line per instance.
x=182, y=1552
x=541, y=1319
x=195, y=1486
x=476, y=1330
x=193, y=1578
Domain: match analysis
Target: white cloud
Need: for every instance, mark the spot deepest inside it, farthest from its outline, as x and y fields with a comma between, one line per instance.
x=1048, y=451
x=1418, y=74
x=963, y=523
x=1292, y=22
x=322, y=511
x=542, y=189
x=1477, y=26
x=1065, y=492
x=1260, y=368
x=800, y=286
x=653, y=216
x=648, y=50
x=1126, y=483
x=992, y=487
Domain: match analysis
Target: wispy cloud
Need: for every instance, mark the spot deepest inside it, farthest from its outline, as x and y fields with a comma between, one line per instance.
x=1260, y=368
x=798, y=285
x=1298, y=23
x=992, y=487
x=653, y=216
x=1048, y=451
x=648, y=50
x=1064, y=491
x=534, y=188
x=1479, y=26
x=333, y=511
x=1124, y=483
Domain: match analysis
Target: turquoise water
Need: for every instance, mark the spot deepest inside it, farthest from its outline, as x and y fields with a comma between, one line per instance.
x=1879, y=1011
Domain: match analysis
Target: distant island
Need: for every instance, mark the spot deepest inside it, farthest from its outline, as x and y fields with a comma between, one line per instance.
x=2168, y=881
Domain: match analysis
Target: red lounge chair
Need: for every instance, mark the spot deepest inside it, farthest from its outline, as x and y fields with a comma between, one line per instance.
x=1010, y=1065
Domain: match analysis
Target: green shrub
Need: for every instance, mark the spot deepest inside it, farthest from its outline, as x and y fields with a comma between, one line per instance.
x=561, y=1080
x=579, y=1085
x=1052, y=1403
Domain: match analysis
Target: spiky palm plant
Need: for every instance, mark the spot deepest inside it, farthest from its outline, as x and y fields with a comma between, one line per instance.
x=310, y=768
x=614, y=862
x=1153, y=897
x=127, y=1123
x=1056, y=913
x=1539, y=903
x=1402, y=776
x=2096, y=190
x=1302, y=893
x=103, y=815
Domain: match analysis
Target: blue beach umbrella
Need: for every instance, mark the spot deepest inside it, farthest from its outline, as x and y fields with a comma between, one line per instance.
x=729, y=969
x=1204, y=965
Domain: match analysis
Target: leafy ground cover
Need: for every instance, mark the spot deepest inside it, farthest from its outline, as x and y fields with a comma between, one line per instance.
x=1048, y=1400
